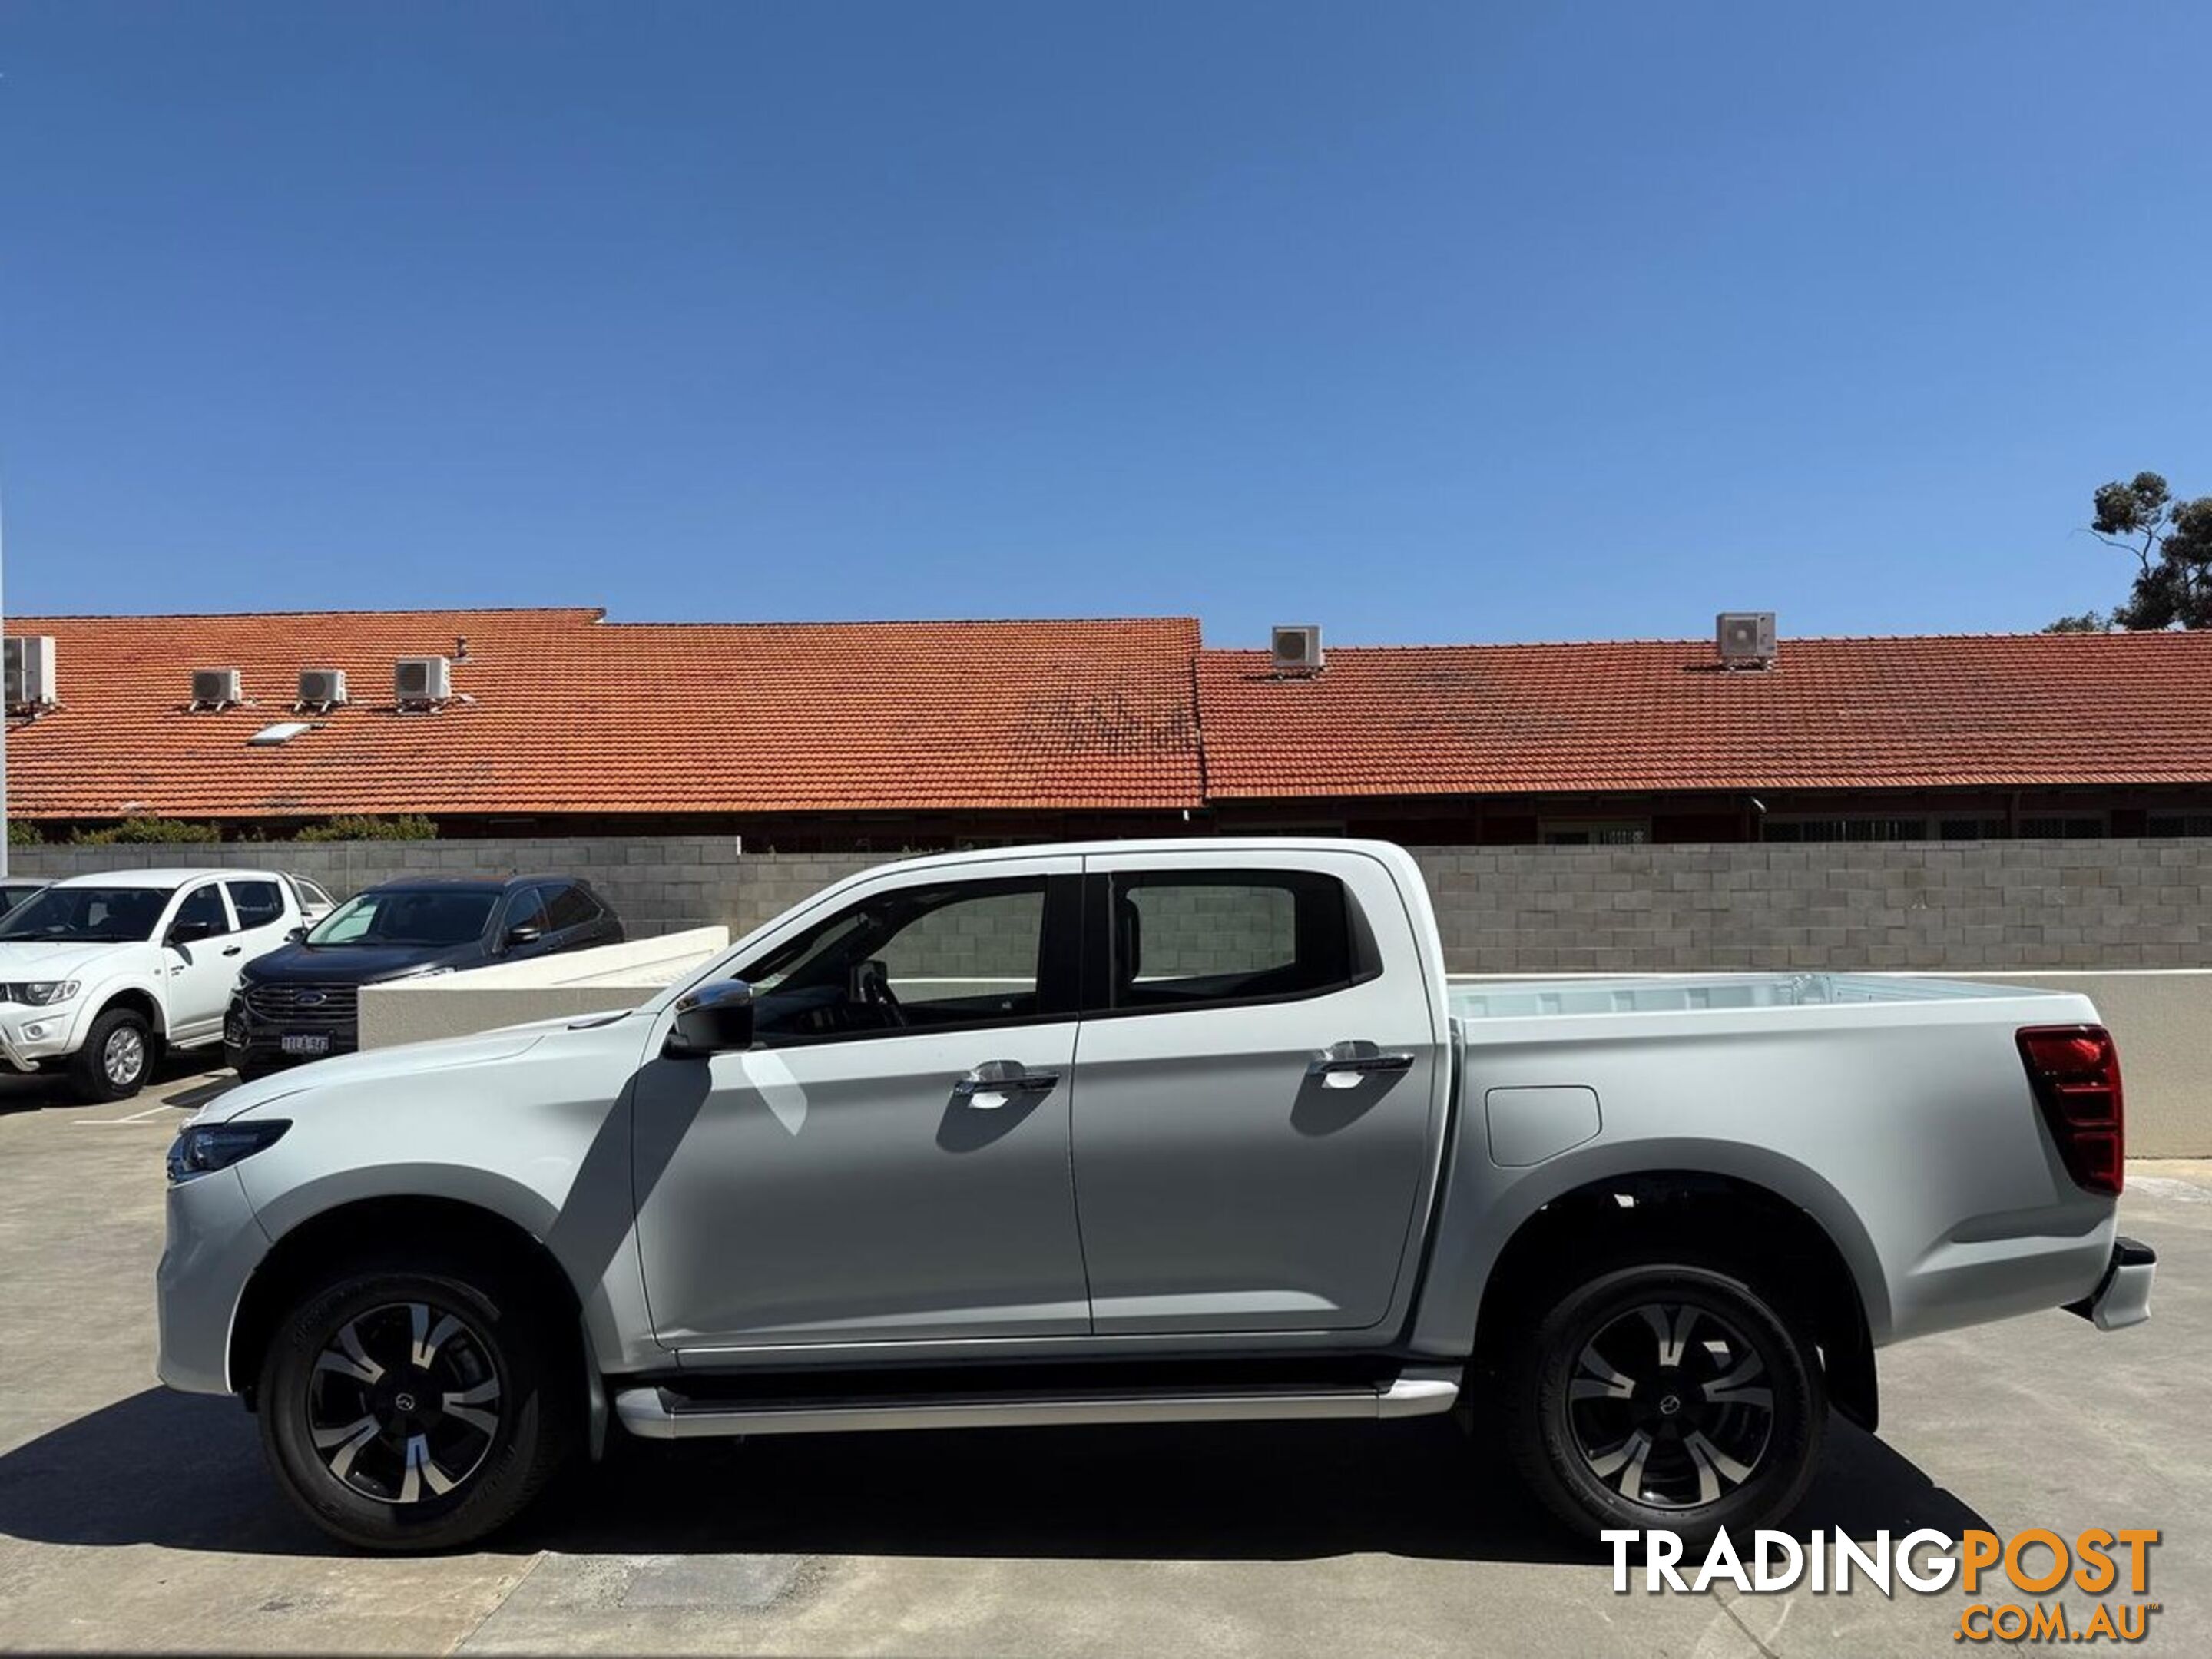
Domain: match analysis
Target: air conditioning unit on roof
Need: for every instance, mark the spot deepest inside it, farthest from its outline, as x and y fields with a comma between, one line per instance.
x=1298, y=648
x=324, y=687
x=422, y=679
x=1746, y=638
x=30, y=671
x=217, y=688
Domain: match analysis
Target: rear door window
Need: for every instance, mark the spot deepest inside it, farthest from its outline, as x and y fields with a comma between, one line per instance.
x=258, y=903
x=1210, y=937
x=568, y=907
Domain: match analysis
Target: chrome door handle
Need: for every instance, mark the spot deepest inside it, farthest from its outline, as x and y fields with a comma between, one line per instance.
x=234, y=950
x=990, y=1086
x=1353, y=1061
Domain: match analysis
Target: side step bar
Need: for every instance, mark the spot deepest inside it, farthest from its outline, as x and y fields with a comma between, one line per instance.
x=659, y=1413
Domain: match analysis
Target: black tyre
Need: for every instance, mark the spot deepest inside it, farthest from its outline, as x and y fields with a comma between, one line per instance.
x=409, y=1410
x=1665, y=1395
x=117, y=1056
x=249, y=1070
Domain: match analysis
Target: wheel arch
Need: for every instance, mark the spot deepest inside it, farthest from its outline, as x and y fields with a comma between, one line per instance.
x=366, y=1228
x=140, y=999
x=1784, y=1245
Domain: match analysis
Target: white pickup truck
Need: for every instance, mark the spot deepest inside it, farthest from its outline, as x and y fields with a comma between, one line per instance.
x=1137, y=1132
x=99, y=973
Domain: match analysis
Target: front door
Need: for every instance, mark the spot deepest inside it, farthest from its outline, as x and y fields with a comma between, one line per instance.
x=891, y=1161
x=1260, y=1090
x=522, y=928
x=202, y=952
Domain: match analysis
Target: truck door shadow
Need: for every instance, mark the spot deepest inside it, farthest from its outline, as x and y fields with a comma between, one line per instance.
x=186, y=1473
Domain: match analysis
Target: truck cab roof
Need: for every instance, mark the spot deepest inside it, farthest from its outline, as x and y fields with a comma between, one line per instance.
x=169, y=878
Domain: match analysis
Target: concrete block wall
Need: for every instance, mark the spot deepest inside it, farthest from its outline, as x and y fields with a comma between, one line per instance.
x=1952, y=906
x=657, y=886
x=1955, y=907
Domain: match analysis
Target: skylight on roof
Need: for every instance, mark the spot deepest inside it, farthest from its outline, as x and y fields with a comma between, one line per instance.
x=282, y=732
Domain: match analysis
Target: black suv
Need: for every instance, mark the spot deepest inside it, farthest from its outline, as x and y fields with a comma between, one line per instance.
x=300, y=1002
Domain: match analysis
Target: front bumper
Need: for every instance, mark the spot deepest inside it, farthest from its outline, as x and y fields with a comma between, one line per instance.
x=29, y=1036
x=2123, y=1295
x=257, y=1040
x=214, y=1245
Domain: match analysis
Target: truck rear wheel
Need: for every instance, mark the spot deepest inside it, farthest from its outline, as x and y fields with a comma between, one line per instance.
x=1665, y=1395
x=412, y=1410
x=116, y=1054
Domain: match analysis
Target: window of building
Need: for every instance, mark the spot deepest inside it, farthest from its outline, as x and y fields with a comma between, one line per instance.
x=1196, y=938
x=2179, y=824
x=1594, y=832
x=1971, y=829
x=2062, y=826
x=1845, y=829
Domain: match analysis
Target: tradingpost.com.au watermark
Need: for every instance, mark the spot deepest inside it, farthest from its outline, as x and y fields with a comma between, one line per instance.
x=2009, y=1581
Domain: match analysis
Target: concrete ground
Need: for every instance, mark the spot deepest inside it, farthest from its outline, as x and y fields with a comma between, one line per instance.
x=135, y=1520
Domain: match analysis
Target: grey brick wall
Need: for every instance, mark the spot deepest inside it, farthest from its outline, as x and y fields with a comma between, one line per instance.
x=1952, y=906
x=658, y=886
x=1949, y=905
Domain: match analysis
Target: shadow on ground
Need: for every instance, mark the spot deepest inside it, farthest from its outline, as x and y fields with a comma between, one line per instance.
x=179, y=1079
x=185, y=1472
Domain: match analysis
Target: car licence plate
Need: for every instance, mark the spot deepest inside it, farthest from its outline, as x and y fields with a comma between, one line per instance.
x=318, y=1044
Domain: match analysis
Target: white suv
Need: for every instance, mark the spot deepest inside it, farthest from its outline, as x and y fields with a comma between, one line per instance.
x=98, y=973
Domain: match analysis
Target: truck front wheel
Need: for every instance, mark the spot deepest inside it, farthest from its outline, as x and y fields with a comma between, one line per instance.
x=116, y=1054
x=1666, y=1395
x=414, y=1410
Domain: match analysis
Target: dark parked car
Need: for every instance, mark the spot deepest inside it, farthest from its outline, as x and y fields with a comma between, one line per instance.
x=300, y=1002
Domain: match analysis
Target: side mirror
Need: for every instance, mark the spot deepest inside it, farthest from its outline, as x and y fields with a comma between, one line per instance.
x=715, y=1019
x=189, y=932
x=296, y=934
x=525, y=935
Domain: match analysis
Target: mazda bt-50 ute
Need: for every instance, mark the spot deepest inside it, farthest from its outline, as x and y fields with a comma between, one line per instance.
x=1136, y=1132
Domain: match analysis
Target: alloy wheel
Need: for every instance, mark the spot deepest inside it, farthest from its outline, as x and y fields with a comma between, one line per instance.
x=123, y=1056
x=403, y=1402
x=1670, y=1404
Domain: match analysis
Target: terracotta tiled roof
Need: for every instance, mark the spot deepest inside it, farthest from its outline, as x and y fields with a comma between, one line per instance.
x=572, y=715
x=1928, y=713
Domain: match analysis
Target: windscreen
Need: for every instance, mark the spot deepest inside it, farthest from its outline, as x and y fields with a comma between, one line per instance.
x=97, y=915
x=407, y=916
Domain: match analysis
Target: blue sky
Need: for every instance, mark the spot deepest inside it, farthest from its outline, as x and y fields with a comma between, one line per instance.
x=1428, y=323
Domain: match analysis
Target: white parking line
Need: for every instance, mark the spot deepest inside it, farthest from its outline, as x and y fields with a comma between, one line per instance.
x=154, y=1110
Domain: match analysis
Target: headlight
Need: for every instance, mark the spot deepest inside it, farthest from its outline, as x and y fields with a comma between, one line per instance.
x=39, y=993
x=201, y=1149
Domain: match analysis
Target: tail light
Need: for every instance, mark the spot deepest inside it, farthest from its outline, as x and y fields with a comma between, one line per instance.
x=2075, y=1071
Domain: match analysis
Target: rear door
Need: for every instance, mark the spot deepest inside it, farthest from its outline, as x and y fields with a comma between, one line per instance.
x=265, y=920
x=573, y=921
x=1259, y=1091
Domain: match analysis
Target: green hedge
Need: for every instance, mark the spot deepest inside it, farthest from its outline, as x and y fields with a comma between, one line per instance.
x=141, y=830
x=408, y=826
